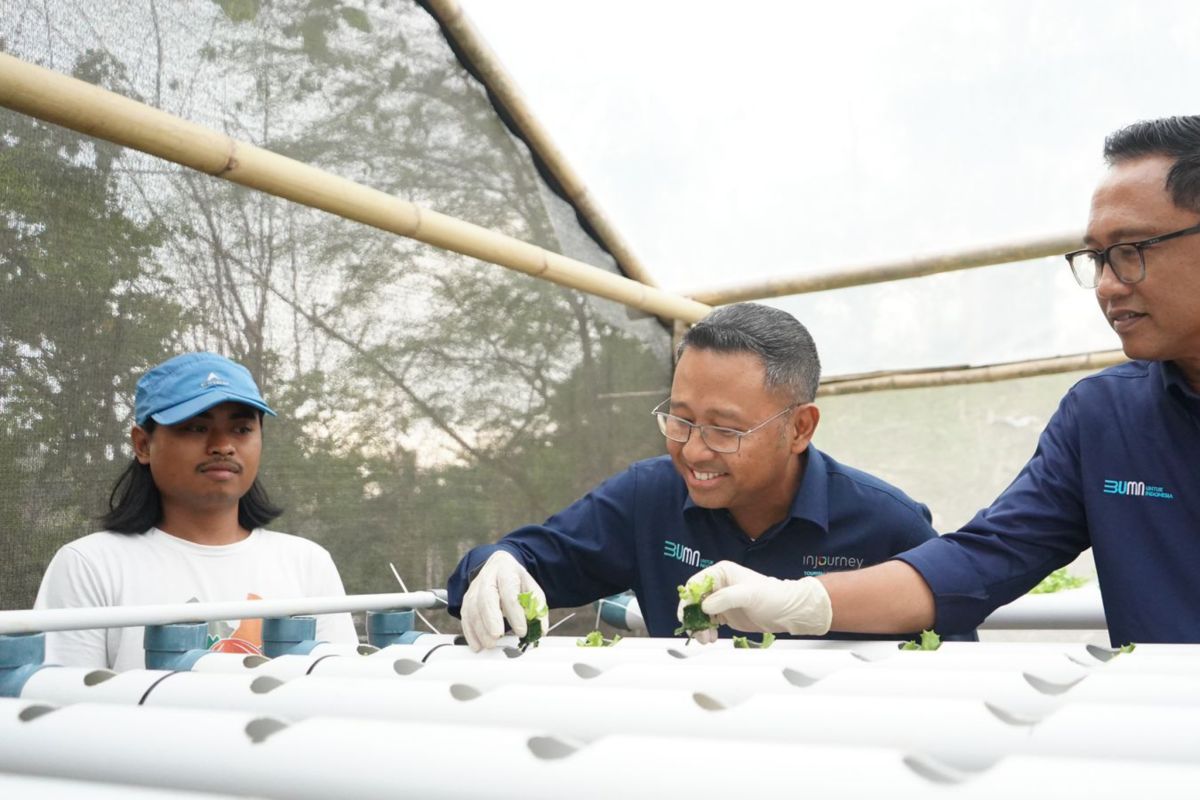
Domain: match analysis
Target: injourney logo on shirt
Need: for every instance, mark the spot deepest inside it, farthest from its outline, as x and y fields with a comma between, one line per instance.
x=687, y=555
x=1136, y=489
x=819, y=565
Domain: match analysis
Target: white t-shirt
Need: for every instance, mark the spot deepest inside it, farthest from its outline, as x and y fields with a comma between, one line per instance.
x=117, y=569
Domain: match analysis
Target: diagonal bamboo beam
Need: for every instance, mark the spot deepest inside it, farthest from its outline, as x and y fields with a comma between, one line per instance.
x=88, y=109
x=880, y=272
x=955, y=376
x=504, y=90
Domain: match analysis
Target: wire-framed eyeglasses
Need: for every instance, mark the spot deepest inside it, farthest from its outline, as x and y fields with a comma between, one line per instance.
x=715, y=437
x=1127, y=260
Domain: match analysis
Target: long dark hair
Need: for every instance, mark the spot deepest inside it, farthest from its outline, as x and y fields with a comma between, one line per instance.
x=135, y=505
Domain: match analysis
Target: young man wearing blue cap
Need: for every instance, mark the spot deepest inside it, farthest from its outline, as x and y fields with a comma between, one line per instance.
x=186, y=521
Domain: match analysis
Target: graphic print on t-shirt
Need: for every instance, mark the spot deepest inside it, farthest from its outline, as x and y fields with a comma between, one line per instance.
x=245, y=639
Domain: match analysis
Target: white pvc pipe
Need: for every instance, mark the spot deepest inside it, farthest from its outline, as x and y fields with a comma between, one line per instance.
x=66, y=685
x=1072, y=609
x=69, y=619
x=1150, y=663
x=31, y=787
x=963, y=735
x=332, y=757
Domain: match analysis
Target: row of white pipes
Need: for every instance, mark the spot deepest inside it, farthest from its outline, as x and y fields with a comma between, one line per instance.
x=321, y=757
x=997, y=700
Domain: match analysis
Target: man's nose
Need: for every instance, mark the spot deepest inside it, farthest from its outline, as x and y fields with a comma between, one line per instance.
x=1109, y=285
x=695, y=447
x=220, y=442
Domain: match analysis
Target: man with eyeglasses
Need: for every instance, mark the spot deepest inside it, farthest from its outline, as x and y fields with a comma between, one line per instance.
x=741, y=484
x=1117, y=468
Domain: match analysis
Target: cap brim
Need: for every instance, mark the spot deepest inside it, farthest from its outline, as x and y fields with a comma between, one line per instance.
x=198, y=405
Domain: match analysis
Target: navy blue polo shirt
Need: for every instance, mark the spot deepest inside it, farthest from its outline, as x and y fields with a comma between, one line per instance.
x=1117, y=469
x=640, y=530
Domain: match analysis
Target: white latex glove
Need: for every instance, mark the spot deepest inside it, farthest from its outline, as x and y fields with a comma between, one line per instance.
x=749, y=601
x=492, y=598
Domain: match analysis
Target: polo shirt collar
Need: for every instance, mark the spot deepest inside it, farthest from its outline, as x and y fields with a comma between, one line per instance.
x=1174, y=382
x=811, y=501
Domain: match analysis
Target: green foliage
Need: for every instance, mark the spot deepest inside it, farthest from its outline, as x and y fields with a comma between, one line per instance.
x=744, y=642
x=694, y=592
x=535, y=610
x=596, y=639
x=428, y=402
x=929, y=641
x=239, y=10
x=694, y=618
x=356, y=18
x=532, y=606
x=1058, y=581
x=1125, y=648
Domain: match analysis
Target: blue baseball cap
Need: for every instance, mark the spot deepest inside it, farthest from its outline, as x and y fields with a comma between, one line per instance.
x=187, y=385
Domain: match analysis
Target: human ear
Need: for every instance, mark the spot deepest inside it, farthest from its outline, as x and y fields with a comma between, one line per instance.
x=803, y=425
x=141, y=444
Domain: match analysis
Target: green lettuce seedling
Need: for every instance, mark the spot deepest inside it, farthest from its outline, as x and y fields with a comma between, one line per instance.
x=692, y=594
x=596, y=639
x=534, y=611
x=929, y=641
x=1058, y=581
x=744, y=643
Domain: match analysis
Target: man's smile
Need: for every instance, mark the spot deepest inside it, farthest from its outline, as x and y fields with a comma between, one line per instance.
x=1123, y=319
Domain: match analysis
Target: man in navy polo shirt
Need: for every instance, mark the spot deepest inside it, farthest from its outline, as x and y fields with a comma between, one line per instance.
x=1117, y=468
x=741, y=483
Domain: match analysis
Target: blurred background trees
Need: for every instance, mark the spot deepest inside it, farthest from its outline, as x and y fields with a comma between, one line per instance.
x=427, y=402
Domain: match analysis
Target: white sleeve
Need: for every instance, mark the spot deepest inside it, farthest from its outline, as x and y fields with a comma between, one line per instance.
x=72, y=582
x=326, y=582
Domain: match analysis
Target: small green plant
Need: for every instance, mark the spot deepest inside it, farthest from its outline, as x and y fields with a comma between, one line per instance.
x=534, y=611
x=744, y=643
x=1125, y=648
x=596, y=639
x=929, y=641
x=692, y=594
x=1058, y=581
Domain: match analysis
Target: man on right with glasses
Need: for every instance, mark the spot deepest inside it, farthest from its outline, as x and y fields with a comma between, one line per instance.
x=1117, y=468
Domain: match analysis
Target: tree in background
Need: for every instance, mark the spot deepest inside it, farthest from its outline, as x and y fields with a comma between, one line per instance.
x=84, y=308
x=427, y=402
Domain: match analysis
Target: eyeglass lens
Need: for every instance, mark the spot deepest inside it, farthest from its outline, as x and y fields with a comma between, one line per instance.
x=1125, y=261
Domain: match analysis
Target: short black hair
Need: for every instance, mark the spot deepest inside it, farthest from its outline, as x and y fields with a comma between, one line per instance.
x=135, y=504
x=784, y=345
x=1175, y=137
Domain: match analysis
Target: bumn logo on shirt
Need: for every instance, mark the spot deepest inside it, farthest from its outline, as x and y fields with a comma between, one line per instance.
x=1136, y=489
x=687, y=555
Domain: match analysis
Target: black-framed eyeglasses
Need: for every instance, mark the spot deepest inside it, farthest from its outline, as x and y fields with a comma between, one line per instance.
x=1127, y=260
x=716, y=438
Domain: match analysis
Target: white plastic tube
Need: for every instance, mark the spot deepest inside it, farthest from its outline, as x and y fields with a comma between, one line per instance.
x=30, y=787
x=1076, y=609
x=327, y=757
x=67, y=619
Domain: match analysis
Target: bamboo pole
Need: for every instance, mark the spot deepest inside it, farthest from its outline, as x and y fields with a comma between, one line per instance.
x=88, y=109
x=502, y=87
x=954, y=376
x=915, y=267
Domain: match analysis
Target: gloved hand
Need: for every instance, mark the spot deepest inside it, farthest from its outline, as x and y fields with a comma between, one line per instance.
x=749, y=601
x=492, y=598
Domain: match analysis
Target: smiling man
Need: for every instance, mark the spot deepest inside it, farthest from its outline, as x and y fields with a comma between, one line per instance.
x=185, y=522
x=1116, y=468
x=741, y=483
